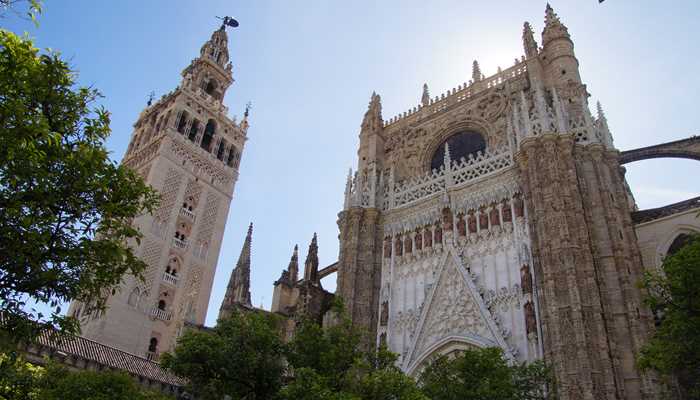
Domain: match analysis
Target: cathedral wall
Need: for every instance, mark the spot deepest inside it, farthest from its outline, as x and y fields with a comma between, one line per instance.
x=487, y=232
x=656, y=236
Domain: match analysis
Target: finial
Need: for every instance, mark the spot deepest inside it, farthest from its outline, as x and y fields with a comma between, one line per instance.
x=248, y=107
x=373, y=117
x=529, y=43
x=599, y=107
x=447, y=158
x=553, y=28
x=550, y=17
x=425, y=99
x=311, y=264
x=476, y=71
x=151, y=96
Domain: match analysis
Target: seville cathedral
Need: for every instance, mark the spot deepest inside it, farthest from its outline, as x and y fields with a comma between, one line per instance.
x=495, y=214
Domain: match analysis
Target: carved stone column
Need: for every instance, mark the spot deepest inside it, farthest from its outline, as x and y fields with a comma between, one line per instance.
x=359, y=266
x=581, y=262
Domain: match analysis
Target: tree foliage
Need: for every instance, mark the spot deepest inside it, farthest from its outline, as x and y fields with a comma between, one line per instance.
x=65, y=208
x=20, y=380
x=241, y=357
x=331, y=363
x=483, y=374
x=674, y=293
x=27, y=8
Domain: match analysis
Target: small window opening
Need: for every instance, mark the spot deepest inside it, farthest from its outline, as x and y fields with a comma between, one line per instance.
x=153, y=345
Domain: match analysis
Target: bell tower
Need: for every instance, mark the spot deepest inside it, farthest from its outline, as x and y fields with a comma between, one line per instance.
x=187, y=147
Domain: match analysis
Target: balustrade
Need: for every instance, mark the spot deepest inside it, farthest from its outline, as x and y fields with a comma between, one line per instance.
x=170, y=279
x=179, y=243
x=187, y=214
x=160, y=314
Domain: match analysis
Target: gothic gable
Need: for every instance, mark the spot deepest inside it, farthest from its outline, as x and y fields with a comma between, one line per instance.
x=454, y=311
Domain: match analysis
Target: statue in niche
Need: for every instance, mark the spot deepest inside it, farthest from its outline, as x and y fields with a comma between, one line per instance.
x=438, y=234
x=518, y=206
x=483, y=220
x=505, y=210
x=398, y=246
x=419, y=240
x=526, y=279
x=530, y=319
x=385, y=314
x=461, y=226
x=428, y=237
x=387, y=247
x=493, y=214
x=447, y=219
x=408, y=244
x=472, y=222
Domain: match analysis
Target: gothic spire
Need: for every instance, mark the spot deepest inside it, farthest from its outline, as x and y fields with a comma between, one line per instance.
x=238, y=289
x=311, y=264
x=601, y=114
x=476, y=72
x=425, y=99
x=293, y=267
x=373, y=121
x=529, y=43
x=602, y=126
x=553, y=28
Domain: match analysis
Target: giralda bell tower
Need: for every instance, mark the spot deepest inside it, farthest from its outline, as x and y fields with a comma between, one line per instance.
x=187, y=148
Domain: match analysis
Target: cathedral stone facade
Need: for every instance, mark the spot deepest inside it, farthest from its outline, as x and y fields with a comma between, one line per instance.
x=186, y=147
x=495, y=214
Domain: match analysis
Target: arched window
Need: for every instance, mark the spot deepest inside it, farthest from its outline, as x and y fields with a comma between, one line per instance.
x=680, y=241
x=209, y=132
x=134, y=297
x=212, y=85
x=461, y=144
x=231, y=156
x=153, y=345
x=182, y=122
x=220, y=150
x=193, y=130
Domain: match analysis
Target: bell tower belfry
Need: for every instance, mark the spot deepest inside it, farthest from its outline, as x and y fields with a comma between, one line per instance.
x=187, y=147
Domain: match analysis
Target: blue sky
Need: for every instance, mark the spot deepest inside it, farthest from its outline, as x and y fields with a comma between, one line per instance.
x=309, y=69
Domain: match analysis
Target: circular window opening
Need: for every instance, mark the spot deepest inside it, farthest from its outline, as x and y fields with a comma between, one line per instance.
x=461, y=144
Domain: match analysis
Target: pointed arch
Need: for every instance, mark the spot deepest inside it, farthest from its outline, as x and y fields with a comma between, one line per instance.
x=211, y=87
x=676, y=236
x=153, y=345
x=194, y=129
x=445, y=347
x=182, y=122
x=208, y=137
x=221, y=149
x=134, y=297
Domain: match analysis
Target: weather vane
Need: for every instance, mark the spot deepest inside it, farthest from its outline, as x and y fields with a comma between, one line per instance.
x=228, y=21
